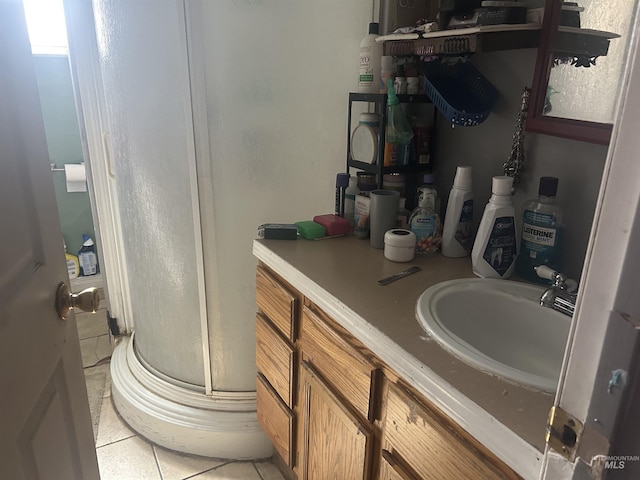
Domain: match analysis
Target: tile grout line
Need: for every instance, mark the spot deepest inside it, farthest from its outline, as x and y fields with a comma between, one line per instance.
x=155, y=456
x=115, y=441
x=257, y=471
x=208, y=470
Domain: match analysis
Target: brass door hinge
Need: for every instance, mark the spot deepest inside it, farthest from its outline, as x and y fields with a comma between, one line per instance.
x=563, y=433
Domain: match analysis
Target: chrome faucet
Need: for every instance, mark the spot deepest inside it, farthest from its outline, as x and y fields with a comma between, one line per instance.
x=560, y=296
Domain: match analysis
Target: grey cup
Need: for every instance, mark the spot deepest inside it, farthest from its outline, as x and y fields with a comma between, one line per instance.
x=382, y=215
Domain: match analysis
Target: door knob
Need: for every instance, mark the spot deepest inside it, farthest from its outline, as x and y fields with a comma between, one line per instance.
x=87, y=300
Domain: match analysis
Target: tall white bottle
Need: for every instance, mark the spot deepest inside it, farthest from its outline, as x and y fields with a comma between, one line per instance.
x=495, y=248
x=370, y=58
x=457, y=235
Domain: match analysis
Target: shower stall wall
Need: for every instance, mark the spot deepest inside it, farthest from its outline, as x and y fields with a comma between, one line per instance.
x=195, y=135
x=131, y=73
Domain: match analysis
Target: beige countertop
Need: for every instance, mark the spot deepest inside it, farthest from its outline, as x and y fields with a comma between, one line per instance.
x=340, y=275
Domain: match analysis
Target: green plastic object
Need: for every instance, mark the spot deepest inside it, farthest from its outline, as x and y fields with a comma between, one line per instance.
x=309, y=229
x=398, y=127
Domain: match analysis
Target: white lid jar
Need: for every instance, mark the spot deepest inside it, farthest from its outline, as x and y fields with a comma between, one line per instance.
x=399, y=245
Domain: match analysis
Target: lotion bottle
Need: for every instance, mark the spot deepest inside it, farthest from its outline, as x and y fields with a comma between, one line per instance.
x=495, y=248
x=370, y=58
x=457, y=235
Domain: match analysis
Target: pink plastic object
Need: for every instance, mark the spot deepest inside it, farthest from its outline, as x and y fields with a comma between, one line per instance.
x=333, y=224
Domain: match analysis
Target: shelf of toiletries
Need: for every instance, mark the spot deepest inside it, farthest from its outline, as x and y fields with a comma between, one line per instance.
x=486, y=38
x=366, y=141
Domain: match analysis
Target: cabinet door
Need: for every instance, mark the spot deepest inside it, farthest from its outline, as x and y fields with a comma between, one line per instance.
x=335, y=443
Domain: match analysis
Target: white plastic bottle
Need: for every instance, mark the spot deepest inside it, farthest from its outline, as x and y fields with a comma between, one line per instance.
x=87, y=257
x=457, y=235
x=370, y=57
x=350, y=201
x=495, y=248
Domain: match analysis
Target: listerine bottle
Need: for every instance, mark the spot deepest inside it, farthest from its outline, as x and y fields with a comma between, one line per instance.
x=540, y=239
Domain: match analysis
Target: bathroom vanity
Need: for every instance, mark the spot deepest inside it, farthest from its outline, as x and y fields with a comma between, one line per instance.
x=349, y=380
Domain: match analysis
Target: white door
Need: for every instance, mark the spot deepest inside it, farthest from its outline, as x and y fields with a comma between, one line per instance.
x=45, y=423
x=601, y=362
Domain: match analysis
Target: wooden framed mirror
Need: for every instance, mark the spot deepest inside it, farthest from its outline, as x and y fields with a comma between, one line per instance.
x=578, y=72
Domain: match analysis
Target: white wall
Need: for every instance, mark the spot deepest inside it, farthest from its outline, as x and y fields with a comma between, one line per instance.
x=277, y=76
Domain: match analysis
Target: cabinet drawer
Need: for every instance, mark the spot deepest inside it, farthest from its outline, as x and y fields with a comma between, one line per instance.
x=276, y=302
x=344, y=367
x=276, y=420
x=431, y=446
x=274, y=359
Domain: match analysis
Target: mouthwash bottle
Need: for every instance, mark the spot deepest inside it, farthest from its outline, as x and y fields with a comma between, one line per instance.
x=495, y=247
x=424, y=221
x=540, y=240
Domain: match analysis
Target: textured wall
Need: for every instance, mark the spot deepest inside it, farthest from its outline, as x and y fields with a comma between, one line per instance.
x=63, y=143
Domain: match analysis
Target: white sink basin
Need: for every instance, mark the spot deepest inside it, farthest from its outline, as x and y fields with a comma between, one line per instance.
x=499, y=327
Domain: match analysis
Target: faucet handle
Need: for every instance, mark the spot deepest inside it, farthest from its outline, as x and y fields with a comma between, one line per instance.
x=549, y=273
x=559, y=280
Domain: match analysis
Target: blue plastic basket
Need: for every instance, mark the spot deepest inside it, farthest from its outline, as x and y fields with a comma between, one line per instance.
x=460, y=92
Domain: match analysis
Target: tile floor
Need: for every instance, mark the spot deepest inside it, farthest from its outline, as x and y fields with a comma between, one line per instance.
x=125, y=455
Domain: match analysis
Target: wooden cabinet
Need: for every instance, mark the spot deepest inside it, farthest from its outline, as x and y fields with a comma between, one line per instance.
x=335, y=442
x=276, y=419
x=421, y=440
x=275, y=359
x=392, y=469
x=276, y=322
x=277, y=302
x=339, y=362
x=333, y=410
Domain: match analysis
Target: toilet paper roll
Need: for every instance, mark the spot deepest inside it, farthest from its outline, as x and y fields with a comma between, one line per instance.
x=76, y=177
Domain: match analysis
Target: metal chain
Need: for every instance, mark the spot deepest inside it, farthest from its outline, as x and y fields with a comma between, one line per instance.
x=514, y=165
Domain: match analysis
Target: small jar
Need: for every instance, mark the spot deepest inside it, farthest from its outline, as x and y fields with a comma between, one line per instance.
x=366, y=182
x=399, y=245
x=395, y=181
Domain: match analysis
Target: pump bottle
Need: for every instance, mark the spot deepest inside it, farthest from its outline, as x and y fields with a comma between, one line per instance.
x=495, y=248
x=424, y=221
